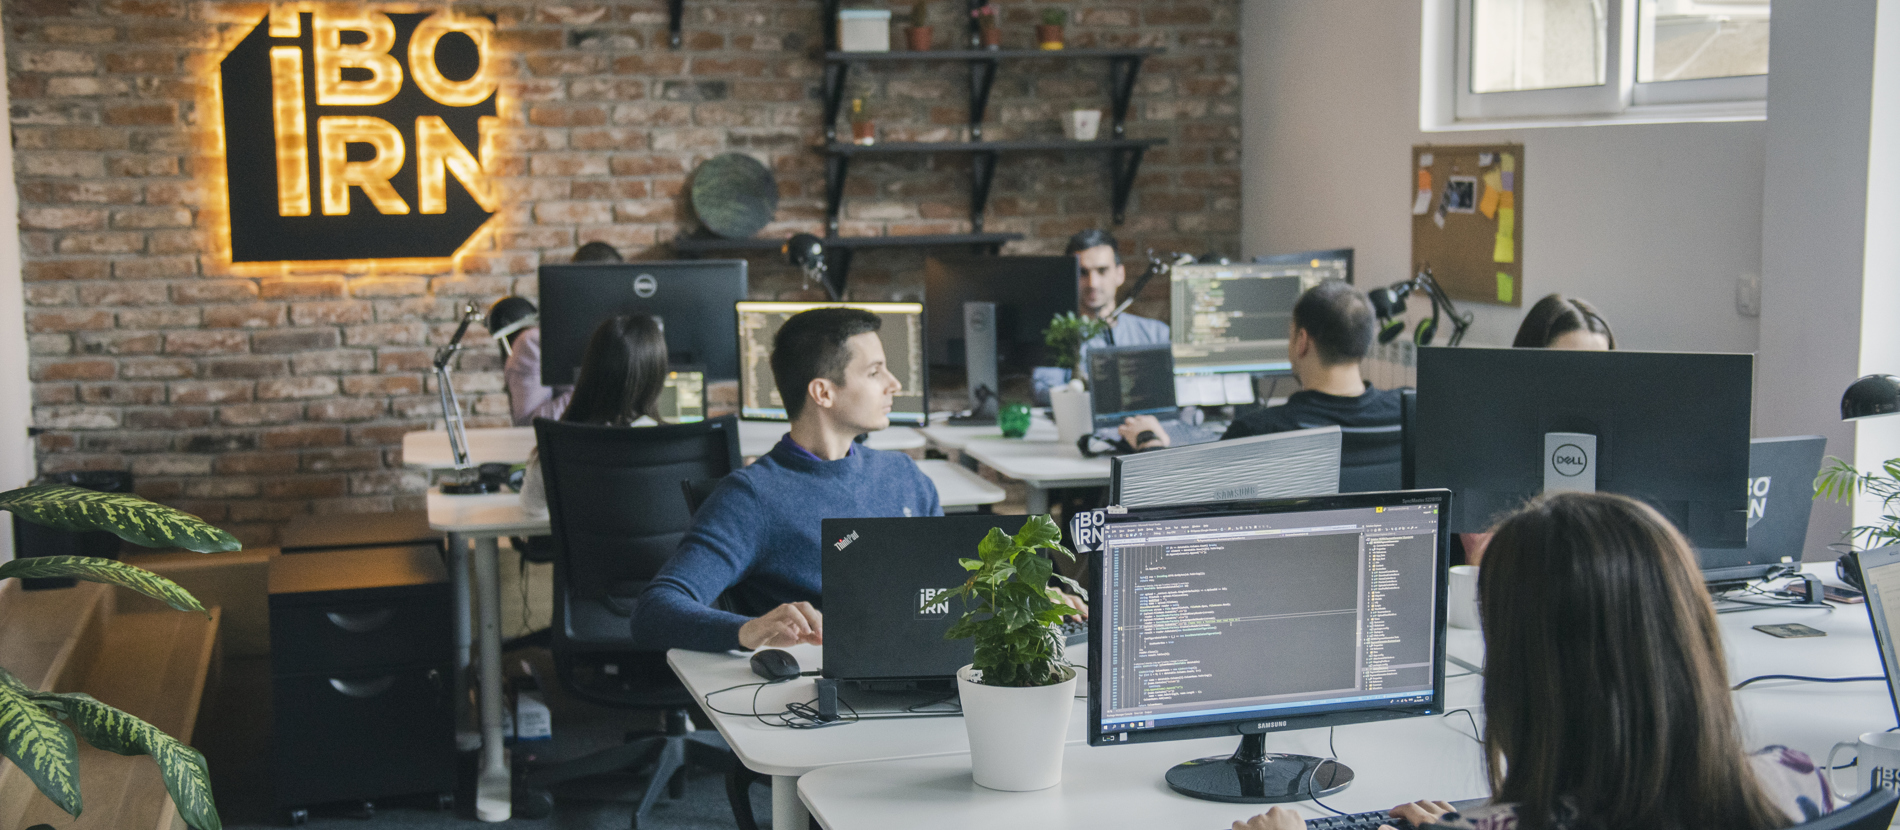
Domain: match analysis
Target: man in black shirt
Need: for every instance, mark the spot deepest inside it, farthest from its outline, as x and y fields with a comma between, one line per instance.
x=1332, y=331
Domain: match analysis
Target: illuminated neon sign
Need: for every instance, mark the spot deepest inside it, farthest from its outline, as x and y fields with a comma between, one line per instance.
x=358, y=134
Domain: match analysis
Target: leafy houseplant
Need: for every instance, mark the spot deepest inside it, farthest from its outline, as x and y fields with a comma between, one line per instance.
x=1049, y=32
x=1069, y=405
x=37, y=728
x=1840, y=482
x=1066, y=334
x=1018, y=690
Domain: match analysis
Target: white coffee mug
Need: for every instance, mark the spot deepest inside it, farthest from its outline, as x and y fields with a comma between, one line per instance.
x=1461, y=597
x=1878, y=764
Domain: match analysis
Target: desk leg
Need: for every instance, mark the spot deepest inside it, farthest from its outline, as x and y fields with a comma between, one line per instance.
x=787, y=810
x=492, y=800
x=466, y=738
x=1038, y=500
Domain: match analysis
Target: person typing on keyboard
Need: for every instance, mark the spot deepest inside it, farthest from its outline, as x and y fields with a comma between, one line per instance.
x=1331, y=333
x=1606, y=690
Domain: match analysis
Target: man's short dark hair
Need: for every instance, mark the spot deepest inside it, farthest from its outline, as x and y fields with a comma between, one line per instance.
x=597, y=251
x=1092, y=238
x=812, y=345
x=1339, y=319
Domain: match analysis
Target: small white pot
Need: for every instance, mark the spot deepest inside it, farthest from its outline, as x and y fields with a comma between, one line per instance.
x=1082, y=125
x=1016, y=733
x=1073, y=416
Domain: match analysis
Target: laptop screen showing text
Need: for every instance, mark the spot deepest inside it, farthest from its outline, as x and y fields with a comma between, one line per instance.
x=1131, y=380
x=1213, y=619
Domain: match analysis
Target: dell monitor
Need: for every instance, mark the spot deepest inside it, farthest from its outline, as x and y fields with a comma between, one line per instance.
x=692, y=300
x=1027, y=291
x=1499, y=426
x=1303, y=462
x=1229, y=319
x=902, y=334
x=1243, y=618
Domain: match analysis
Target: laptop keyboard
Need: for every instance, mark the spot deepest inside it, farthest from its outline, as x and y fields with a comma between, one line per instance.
x=1074, y=633
x=1182, y=434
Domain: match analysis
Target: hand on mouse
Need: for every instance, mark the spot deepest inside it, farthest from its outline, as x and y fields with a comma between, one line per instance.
x=1132, y=428
x=786, y=625
x=1278, y=818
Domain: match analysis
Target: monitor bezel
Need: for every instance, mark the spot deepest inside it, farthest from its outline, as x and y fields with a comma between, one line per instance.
x=1249, y=725
x=738, y=332
x=1307, y=256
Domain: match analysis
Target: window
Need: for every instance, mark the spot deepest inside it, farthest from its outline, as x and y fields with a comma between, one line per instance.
x=1594, y=60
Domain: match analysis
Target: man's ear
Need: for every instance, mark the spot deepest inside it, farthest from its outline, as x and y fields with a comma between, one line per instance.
x=822, y=392
x=1300, y=343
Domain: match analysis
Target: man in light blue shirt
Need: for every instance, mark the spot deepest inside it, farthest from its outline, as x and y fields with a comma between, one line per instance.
x=1100, y=275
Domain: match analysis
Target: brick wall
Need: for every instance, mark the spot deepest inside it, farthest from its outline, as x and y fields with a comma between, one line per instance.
x=249, y=399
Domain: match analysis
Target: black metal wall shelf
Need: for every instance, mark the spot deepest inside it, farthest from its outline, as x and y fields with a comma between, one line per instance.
x=1125, y=156
x=839, y=249
x=1123, y=66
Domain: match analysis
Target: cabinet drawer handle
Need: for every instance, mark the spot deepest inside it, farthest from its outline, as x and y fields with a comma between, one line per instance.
x=363, y=688
x=361, y=622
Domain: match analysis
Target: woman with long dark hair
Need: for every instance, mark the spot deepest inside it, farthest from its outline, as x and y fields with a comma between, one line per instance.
x=1606, y=692
x=622, y=375
x=1560, y=322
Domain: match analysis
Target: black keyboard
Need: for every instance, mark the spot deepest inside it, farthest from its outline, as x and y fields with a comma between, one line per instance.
x=1358, y=821
x=1074, y=633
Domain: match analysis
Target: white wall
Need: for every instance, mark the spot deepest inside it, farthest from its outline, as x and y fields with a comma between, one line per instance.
x=16, y=392
x=1653, y=223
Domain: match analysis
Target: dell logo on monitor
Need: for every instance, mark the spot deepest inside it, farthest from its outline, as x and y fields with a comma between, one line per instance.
x=1569, y=460
x=645, y=286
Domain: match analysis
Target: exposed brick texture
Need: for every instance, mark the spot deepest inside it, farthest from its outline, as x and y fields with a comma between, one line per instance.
x=252, y=395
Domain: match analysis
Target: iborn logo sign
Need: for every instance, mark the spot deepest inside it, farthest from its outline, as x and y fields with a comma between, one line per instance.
x=358, y=134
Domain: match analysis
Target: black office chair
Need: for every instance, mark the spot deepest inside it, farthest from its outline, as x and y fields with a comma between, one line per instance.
x=616, y=513
x=1369, y=458
x=1873, y=811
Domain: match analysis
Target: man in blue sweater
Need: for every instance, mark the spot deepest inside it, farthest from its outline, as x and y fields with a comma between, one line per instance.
x=756, y=538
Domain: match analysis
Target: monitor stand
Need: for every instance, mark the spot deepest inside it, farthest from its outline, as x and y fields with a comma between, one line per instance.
x=1253, y=776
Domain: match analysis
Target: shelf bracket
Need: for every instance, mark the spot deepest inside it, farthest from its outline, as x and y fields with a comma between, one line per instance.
x=835, y=75
x=675, y=9
x=982, y=76
x=830, y=25
x=982, y=173
x=1121, y=87
x=837, y=270
x=836, y=166
x=1124, y=164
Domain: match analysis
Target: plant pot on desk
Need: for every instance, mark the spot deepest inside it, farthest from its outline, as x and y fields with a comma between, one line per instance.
x=1074, y=418
x=1016, y=732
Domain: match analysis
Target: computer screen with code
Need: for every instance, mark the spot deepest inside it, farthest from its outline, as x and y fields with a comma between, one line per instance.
x=1274, y=614
x=902, y=334
x=1236, y=318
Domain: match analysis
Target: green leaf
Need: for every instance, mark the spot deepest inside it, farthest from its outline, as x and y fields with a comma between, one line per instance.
x=1074, y=587
x=132, y=518
x=970, y=564
x=182, y=767
x=108, y=571
x=997, y=545
x=39, y=745
x=1039, y=531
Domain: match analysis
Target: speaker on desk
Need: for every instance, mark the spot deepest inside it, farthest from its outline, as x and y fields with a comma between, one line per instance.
x=979, y=362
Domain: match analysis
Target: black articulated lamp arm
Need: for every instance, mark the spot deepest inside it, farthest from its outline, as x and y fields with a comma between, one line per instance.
x=1157, y=266
x=445, y=388
x=1442, y=301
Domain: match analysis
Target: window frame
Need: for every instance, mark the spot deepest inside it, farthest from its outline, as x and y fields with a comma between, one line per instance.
x=1446, y=101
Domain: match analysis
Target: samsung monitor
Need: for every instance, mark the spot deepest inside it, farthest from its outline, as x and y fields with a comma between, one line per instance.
x=902, y=334
x=692, y=300
x=1498, y=426
x=1027, y=291
x=683, y=398
x=1278, y=465
x=1243, y=618
x=1236, y=318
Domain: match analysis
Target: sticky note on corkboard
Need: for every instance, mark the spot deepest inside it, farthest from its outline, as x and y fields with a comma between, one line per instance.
x=1475, y=252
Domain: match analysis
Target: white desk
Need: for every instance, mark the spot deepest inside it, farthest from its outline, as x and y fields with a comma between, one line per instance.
x=1394, y=762
x=429, y=449
x=958, y=488
x=481, y=519
x=1037, y=459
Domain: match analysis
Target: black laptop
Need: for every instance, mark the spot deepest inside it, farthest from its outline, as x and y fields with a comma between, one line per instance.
x=1780, y=498
x=878, y=574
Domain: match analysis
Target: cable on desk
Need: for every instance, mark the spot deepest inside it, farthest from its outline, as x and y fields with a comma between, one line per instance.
x=1334, y=752
x=1802, y=677
x=1474, y=724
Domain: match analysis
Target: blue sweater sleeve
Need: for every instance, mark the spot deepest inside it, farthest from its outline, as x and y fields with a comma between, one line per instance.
x=675, y=610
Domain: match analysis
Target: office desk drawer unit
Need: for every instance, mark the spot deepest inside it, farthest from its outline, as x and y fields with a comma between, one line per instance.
x=361, y=650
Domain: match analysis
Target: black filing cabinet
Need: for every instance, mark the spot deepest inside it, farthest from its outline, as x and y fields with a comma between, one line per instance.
x=361, y=668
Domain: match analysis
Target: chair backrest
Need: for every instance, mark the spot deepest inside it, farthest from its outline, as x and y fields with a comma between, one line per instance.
x=1369, y=458
x=697, y=491
x=614, y=499
x=1873, y=811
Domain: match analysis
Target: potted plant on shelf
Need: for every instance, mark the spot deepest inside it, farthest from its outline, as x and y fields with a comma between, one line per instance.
x=919, y=33
x=1049, y=32
x=989, y=34
x=1069, y=404
x=37, y=728
x=863, y=130
x=1018, y=689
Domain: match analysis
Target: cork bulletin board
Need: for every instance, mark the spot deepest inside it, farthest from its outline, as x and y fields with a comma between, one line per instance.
x=1468, y=220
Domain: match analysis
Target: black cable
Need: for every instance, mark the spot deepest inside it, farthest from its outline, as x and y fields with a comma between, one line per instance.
x=1738, y=686
x=1475, y=735
x=1311, y=776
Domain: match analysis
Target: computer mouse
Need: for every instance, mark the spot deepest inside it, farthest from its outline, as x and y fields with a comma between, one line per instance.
x=774, y=664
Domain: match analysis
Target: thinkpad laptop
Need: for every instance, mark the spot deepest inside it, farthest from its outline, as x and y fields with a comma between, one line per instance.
x=1780, y=497
x=878, y=574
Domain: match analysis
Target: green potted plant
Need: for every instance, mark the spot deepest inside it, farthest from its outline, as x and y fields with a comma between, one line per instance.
x=989, y=33
x=920, y=32
x=37, y=728
x=863, y=129
x=1049, y=31
x=1840, y=481
x=1018, y=689
x=1069, y=405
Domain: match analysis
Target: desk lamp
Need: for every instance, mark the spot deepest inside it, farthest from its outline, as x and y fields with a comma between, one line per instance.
x=452, y=412
x=1871, y=396
x=1389, y=303
x=808, y=253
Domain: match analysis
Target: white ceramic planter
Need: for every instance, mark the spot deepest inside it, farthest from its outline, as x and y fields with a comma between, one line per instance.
x=1016, y=733
x=1070, y=409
